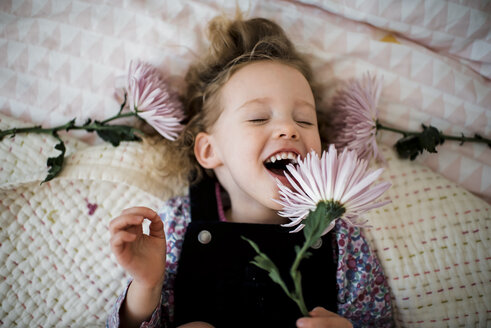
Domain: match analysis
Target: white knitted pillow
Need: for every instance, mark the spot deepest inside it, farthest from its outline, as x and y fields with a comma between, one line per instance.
x=57, y=268
x=433, y=242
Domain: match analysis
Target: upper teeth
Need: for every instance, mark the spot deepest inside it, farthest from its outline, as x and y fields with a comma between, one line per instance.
x=283, y=155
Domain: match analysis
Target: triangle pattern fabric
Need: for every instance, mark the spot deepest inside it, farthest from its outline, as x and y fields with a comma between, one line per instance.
x=61, y=58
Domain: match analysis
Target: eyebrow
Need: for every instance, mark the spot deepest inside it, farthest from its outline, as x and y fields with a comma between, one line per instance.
x=255, y=100
x=265, y=100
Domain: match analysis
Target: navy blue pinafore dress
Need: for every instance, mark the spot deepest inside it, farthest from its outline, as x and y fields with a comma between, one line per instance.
x=216, y=283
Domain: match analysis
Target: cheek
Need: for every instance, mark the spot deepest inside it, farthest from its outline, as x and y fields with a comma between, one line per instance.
x=239, y=152
x=314, y=142
x=318, y=148
x=274, y=205
x=249, y=144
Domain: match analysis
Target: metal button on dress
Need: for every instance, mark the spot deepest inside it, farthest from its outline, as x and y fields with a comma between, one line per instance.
x=317, y=244
x=204, y=237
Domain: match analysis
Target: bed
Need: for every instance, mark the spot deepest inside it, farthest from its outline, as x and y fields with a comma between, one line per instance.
x=60, y=59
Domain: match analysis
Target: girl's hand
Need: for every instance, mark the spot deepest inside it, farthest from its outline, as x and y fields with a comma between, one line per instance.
x=196, y=324
x=322, y=318
x=142, y=256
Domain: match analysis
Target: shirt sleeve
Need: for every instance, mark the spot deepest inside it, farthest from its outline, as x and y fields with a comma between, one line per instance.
x=363, y=291
x=155, y=320
x=176, y=216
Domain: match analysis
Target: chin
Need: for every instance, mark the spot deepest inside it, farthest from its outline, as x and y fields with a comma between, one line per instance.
x=274, y=205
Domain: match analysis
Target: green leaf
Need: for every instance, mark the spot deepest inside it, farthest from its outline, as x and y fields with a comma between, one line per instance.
x=305, y=255
x=70, y=125
x=87, y=124
x=408, y=147
x=117, y=133
x=253, y=244
x=430, y=138
x=123, y=103
x=55, y=164
x=412, y=146
x=264, y=262
x=478, y=137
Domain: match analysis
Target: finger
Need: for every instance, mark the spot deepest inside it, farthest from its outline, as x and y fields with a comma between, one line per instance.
x=304, y=323
x=124, y=222
x=322, y=322
x=321, y=312
x=122, y=237
x=141, y=211
x=315, y=323
x=156, y=226
x=196, y=324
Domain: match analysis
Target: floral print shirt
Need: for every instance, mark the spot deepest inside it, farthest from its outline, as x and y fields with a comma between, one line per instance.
x=363, y=292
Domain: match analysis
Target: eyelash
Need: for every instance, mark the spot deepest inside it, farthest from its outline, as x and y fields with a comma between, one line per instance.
x=262, y=120
x=258, y=120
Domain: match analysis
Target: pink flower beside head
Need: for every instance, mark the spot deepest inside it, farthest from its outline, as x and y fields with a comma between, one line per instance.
x=339, y=179
x=151, y=98
x=355, y=114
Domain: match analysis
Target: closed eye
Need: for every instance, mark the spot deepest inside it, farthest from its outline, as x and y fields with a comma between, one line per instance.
x=258, y=120
x=305, y=123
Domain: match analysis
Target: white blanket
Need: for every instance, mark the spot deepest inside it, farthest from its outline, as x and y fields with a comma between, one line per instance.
x=432, y=240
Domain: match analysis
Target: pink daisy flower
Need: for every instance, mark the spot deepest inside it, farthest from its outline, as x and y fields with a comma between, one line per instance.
x=150, y=97
x=355, y=114
x=341, y=181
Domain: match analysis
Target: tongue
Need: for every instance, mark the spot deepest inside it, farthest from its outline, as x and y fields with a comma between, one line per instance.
x=277, y=171
x=280, y=175
x=279, y=167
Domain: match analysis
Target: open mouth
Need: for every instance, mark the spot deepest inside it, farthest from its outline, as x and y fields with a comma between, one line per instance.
x=277, y=163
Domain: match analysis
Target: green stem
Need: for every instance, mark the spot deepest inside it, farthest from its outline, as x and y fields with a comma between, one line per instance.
x=35, y=129
x=68, y=126
x=315, y=224
x=119, y=115
x=129, y=114
x=295, y=274
x=461, y=138
x=108, y=132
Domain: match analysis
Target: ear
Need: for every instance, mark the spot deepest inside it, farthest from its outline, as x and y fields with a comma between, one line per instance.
x=204, y=151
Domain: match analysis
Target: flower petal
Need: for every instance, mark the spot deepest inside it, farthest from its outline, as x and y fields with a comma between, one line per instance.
x=343, y=179
x=154, y=101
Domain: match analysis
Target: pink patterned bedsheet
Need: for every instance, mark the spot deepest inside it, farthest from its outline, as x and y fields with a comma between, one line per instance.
x=59, y=60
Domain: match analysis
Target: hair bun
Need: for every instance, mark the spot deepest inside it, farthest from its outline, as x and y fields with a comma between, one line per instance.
x=232, y=40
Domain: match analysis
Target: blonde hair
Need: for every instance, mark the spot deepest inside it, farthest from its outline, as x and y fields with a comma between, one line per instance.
x=233, y=44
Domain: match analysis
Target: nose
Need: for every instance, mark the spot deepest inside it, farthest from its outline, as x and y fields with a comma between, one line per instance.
x=286, y=130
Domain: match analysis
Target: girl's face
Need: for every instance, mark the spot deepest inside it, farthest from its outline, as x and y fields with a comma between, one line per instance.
x=268, y=113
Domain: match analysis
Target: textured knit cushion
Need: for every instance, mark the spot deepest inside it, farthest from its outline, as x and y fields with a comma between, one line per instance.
x=57, y=268
x=433, y=241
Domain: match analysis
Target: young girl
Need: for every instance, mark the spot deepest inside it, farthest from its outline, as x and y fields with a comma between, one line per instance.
x=252, y=110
